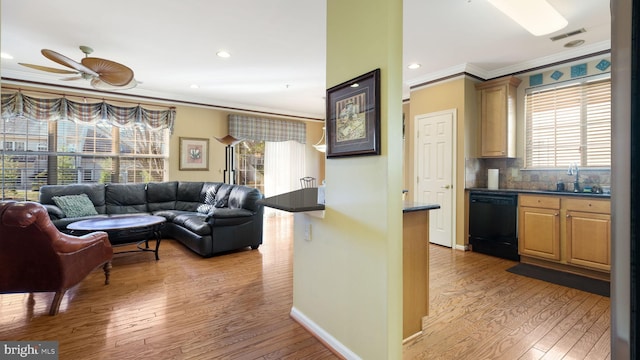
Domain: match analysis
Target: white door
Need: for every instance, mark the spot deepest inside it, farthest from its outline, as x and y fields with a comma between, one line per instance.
x=434, y=159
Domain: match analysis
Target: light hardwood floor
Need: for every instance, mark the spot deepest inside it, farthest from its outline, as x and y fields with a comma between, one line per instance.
x=236, y=306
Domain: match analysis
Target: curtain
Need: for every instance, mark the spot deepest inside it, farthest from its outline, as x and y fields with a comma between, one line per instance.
x=262, y=129
x=284, y=165
x=17, y=104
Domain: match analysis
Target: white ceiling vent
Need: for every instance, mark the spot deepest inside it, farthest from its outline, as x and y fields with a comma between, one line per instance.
x=567, y=34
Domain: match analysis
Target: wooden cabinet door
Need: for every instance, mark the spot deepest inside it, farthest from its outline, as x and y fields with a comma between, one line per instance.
x=494, y=121
x=539, y=233
x=589, y=239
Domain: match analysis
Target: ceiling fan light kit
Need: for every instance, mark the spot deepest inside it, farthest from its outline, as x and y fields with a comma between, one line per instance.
x=103, y=74
x=536, y=16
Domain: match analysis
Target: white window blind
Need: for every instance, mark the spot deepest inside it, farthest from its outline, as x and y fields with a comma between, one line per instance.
x=570, y=124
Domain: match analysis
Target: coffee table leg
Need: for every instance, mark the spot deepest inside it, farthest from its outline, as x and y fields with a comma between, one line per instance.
x=157, y=233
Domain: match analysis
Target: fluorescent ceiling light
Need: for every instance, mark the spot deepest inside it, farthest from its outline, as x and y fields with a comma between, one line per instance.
x=536, y=16
x=223, y=54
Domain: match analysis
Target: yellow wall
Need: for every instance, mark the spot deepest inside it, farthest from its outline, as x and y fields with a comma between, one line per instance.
x=459, y=94
x=200, y=122
x=348, y=278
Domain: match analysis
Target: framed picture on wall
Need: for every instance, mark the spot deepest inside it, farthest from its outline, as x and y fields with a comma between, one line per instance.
x=194, y=154
x=353, y=117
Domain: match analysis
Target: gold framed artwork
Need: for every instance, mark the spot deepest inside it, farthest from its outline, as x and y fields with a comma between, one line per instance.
x=194, y=154
x=353, y=117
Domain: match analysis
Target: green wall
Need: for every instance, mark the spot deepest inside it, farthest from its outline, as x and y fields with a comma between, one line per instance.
x=348, y=278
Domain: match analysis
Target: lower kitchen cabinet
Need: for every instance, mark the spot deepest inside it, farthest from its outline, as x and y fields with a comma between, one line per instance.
x=539, y=232
x=571, y=232
x=588, y=230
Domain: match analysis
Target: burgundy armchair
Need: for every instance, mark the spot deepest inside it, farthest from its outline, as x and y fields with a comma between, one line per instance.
x=36, y=257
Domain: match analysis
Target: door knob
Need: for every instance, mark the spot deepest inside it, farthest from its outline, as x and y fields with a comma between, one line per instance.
x=446, y=187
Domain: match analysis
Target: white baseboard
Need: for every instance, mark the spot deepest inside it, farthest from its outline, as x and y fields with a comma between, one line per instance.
x=462, y=247
x=326, y=338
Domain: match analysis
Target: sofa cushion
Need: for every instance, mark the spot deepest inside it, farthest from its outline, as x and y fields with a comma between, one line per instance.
x=243, y=197
x=188, y=197
x=222, y=196
x=94, y=191
x=162, y=195
x=125, y=198
x=229, y=217
x=75, y=205
x=195, y=222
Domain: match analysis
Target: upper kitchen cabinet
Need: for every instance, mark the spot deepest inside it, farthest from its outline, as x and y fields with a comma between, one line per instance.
x=498, y=117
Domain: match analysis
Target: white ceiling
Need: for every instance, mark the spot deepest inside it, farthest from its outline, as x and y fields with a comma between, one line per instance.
x=277, y=47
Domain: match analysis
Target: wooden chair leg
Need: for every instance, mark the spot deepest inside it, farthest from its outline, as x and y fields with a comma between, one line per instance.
x=55, y=304
x=107, y=272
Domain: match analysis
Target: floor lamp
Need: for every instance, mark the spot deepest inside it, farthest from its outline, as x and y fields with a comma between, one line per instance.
x=229, y=176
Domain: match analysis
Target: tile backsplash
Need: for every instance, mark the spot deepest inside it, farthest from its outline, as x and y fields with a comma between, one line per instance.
x=513, y=177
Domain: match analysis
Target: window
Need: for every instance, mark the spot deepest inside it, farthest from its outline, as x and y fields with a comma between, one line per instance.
x=569, y=124
x=250, y=164
x=79, y=152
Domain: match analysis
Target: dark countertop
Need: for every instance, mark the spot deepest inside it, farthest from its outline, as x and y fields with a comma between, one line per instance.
x=307, y=200
x=540, y=192
x=295, y=201
x=409, y=206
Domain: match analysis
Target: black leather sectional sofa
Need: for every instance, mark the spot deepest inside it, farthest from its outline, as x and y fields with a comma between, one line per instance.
x=207, y=217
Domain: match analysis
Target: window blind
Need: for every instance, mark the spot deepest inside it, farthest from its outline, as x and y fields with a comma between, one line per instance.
x=570, y=124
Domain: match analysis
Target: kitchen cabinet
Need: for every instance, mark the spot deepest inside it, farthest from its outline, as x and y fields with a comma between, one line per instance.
x=539, y=230
x=588, y=231
x=567, y=233
x=498, y=117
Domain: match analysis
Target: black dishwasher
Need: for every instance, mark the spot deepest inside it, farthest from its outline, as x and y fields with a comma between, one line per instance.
x=493, y=224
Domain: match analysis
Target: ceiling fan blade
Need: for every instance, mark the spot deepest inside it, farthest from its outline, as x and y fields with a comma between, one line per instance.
x=110, y=72
x=98, y=84
x=63, y=60
x=79, y=77
x=49, y=69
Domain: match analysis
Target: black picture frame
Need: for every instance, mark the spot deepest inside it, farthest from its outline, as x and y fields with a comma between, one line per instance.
x=353, y=117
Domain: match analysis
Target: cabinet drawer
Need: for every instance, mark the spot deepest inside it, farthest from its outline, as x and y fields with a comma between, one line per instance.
x=547, y=202
x=588, y=205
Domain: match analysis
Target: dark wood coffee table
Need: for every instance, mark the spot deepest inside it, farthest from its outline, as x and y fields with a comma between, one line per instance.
x=150, y=224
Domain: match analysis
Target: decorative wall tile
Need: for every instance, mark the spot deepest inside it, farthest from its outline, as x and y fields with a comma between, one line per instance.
x=578, y=70
x=535, y=80
x=603, y=65
x=557, y=75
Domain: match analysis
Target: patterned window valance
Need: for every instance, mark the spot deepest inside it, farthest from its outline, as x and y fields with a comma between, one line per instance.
x=18, y=104
x=261, y=129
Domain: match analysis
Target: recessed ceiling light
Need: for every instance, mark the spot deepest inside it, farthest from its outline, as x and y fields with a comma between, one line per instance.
x=574, y=43
x=195, y=86
x=223, y=54
x=6, y=56
x=414, y=66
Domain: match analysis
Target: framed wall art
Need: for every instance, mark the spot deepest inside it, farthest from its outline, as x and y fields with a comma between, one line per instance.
x=194, y=154
x=353, y=117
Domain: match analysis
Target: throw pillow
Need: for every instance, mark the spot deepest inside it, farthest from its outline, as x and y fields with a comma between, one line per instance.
x=209, y=201
x=75, y=205
x=205, y=208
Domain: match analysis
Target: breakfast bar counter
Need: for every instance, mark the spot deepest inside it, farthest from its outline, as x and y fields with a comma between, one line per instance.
x=415, y=250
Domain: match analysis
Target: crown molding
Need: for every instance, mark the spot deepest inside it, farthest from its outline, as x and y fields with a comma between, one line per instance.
x=481, y=73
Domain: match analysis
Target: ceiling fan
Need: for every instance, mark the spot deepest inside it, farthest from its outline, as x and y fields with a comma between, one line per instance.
x=103, y=74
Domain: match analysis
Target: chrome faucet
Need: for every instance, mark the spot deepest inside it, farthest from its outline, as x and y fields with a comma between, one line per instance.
x=573, y=170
